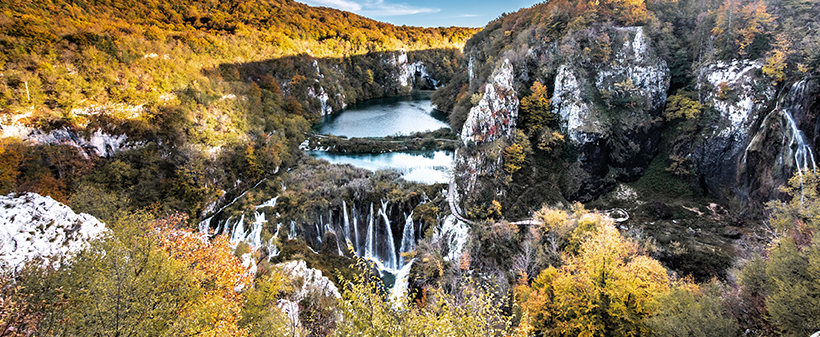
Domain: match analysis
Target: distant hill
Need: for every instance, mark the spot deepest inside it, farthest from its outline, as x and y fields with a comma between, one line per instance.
x=174, y=88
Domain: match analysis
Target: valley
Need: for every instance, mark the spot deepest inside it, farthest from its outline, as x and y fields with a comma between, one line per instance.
x=268, y=168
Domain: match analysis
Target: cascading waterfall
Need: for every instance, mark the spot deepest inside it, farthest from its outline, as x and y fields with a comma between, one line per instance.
x=238, y=233
x=255, y=236
x=273, y=250
x=803, y=155
x=270, y=203
x=219, y=228
x=358, y=242
x=204, y=225
x=400, y=286
x=368, y=253
x=292, y=232
x=408, y=238
x=793, y=138
x=391, y=248
x=347, y=225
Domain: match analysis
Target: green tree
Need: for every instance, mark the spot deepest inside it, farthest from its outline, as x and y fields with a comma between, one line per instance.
x=691, y=310
x=789, y=279
x=126, y=287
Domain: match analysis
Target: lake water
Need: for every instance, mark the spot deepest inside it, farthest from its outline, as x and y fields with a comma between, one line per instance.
x=384, y=117
x=428, y=167
x=387, y=117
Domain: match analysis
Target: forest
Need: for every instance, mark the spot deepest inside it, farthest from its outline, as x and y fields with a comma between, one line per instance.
x=201, y=107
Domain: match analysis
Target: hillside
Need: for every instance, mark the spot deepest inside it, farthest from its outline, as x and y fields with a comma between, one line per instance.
x=622, y=168
x=150, y=96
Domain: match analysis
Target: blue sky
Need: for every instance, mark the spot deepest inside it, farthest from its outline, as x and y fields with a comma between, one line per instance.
x=428, y=13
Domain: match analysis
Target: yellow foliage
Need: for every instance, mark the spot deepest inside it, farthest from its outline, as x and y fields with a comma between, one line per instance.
x=606, y=289
x=218, y=272
x=513, y=158
x=776, y=59
x=682, y=105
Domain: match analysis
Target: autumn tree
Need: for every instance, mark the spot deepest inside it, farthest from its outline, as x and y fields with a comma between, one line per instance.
x=470, y=311
x=216, y=272
x=534, y=113
x=741, y=23
x=607, y=288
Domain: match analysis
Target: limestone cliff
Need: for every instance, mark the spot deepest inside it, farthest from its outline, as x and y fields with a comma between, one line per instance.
x=492, y=118
x=610, y=113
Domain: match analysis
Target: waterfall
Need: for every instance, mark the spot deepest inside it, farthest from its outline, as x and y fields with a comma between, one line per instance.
x=318, y=231
x=292, y=232
x=273, y=249
x=368, y=253
x=347, y=225
x=204, y=225
x=408, y=238
x=270, y=203
x=238, y=233
x=219, y=228
x=356, y=231
x=255, y=237
x=803, y=155
x=400, y=285
x=391, y=247
x=793, y=139
x=455, y=233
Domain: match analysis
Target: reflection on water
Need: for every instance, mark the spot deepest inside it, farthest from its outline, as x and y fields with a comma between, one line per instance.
x=429, y=167
x=384, y=117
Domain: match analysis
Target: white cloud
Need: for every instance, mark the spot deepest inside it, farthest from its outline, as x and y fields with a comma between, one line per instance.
x=372, y=8
x=349, y=6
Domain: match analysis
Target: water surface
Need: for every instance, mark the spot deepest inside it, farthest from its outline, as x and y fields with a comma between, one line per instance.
x=384, y=117
x=428, y=167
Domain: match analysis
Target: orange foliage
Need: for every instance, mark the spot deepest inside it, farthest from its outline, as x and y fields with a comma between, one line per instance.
x=216, y=269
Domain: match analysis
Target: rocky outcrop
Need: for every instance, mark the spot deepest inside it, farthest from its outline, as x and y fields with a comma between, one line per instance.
x=495, y=114
x=98, y=143
x=407, y=72
x=493, y=118
x=610, y=113
x=738, y=95
x=311, y=280
x=36, y=226
x=780, y=148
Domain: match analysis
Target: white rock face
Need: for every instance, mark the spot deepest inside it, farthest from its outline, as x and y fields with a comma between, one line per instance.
x=739, y=104
x=610, y=111
x=407, y=71
x=98, y=144
x=32, y=225
x=326, y=109
x=579, y=119
x=313, y=280
x=650, y=78
x=456, y=233
x=495, y=115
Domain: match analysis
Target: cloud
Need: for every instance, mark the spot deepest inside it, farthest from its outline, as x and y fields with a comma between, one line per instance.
x=381, y=8
x=349, y=6
x=372, y=8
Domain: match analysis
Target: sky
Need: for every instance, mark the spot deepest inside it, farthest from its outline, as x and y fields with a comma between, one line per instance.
x=428, y=13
